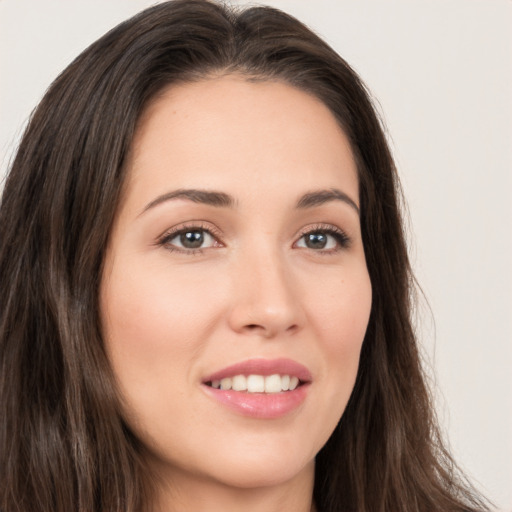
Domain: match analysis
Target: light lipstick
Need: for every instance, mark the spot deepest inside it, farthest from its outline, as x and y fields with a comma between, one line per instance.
x=255, y=401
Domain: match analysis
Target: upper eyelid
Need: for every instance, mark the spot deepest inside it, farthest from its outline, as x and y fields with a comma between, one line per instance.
x=190, y=226
x=205, y=226
x=322, y=227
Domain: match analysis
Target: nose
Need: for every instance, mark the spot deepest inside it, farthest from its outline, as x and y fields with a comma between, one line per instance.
x=266, y=298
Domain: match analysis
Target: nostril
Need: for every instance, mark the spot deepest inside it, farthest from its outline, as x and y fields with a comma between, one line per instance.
x=258, y=329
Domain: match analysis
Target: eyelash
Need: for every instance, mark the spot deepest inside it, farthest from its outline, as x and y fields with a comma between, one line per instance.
x=165, y=239
x=342, y=239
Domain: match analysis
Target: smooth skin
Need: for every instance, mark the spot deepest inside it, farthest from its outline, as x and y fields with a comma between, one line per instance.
x=195, y=282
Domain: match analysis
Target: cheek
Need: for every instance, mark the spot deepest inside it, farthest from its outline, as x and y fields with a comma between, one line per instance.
x=342, y=310
x=341, y=316
x=156, y=322
x=150, y=306
x=140, y=318
x=154, y=326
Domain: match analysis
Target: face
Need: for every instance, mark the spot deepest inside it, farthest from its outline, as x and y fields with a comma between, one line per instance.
x=235, y=294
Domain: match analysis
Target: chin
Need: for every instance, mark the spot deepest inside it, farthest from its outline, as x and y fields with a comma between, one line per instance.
x=252, y=474
x=243, y=464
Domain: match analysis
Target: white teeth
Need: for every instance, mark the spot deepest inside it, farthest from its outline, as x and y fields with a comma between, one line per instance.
x=273, y=384
x=257, y=383
x=239, y=383
x=225, y=384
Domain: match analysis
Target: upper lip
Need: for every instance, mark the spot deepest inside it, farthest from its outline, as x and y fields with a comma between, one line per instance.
x=263, y=367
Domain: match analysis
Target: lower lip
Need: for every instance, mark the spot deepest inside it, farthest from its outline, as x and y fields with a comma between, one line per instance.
x=260, y=405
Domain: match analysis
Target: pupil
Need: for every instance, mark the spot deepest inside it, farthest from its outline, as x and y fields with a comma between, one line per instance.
x=192, y=239
x=316, y=240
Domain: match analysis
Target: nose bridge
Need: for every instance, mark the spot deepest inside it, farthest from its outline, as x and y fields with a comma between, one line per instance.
x=265, y=296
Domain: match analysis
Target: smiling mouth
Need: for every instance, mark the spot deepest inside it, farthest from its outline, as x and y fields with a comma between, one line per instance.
x=260, y=388
x=275, y=383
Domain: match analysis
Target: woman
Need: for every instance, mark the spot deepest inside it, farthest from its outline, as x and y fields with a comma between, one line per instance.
x=207, y=291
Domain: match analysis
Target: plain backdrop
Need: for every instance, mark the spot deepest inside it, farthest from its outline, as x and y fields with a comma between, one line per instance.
x=441, y=73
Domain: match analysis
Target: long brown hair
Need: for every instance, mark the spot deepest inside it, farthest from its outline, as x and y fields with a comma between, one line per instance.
x=63, y=443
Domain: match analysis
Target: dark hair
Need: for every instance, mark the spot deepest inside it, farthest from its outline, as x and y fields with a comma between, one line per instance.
x=63, y=443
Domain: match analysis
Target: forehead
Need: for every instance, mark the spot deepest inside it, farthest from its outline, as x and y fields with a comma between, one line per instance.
x=229, y=132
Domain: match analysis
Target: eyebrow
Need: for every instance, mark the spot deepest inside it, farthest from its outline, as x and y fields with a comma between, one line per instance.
x=320, y=197
x=212, y=198
x=223, y=200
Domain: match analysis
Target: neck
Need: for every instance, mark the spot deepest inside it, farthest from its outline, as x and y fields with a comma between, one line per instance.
x=187, y=493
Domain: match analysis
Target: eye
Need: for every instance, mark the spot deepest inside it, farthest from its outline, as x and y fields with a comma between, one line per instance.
x=323, y=239
x=193, y=239
x=189, y=239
